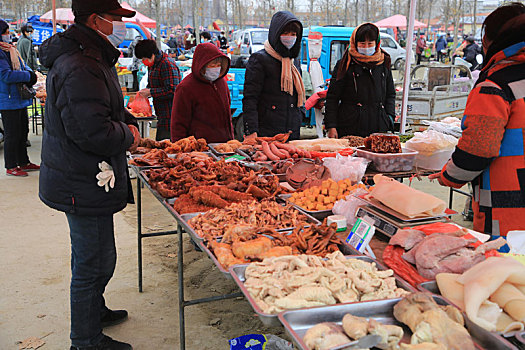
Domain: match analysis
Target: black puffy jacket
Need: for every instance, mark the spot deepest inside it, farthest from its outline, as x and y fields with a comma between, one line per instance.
x=86, y=123
x=266, y=109
x=362, y=102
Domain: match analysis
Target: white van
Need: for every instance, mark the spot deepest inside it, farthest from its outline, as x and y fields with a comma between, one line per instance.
x=396, y=52
x=252, y=40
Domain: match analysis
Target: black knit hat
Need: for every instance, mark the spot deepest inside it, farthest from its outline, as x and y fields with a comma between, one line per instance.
x=88, y=7
x=3, y=26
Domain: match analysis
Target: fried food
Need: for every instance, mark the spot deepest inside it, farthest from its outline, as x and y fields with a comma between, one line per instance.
x=252, y=248
x=324, y=197
x=189, y=144
x=228, y=147
x=265, y=214
x=288, y=282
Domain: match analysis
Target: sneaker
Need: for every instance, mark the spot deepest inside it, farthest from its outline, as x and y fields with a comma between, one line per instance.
x=114, y=317
x=16, y=172
x=30, y=167
x=106, y=344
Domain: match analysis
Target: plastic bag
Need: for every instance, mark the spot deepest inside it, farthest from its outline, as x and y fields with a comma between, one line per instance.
x=259, y=342
x=348, y=206
x=430, y=141
x=141, y=105
x=445, y=128
x=342, y=167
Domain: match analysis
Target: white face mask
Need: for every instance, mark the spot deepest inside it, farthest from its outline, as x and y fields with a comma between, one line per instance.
x=6, y=38
x=119, y=32
x=288, y=41
x=367, y=51
x=212, y=74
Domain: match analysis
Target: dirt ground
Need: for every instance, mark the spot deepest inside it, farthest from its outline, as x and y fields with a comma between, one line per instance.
x=35, y=274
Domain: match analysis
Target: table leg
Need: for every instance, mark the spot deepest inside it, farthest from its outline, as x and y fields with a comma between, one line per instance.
x=139, y=230
x=451, y=197
x=182, y=329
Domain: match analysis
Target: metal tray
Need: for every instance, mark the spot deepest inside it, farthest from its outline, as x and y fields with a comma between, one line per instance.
x=217, y=153
x=318, y=214
x=297, y=322
x=380, y=206
x=238, y=272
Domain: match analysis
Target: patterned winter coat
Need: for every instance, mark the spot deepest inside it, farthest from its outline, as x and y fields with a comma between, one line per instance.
x=491, y=152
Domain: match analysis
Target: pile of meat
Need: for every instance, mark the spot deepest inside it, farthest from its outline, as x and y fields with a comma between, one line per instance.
x=228, y=147
x=383, y=143
x=271, y=148
x=243, y=244
x=177, y=180
x=433, y=326
x=265, y=214
x=189, y=144
x=442, y=252
x=159, y=157
x=203, y=198
x=327, y=335
x=354, y=141
x=292, y=282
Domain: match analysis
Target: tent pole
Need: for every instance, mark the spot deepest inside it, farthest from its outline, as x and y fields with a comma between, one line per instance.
x=54, y=17
x=408, y=58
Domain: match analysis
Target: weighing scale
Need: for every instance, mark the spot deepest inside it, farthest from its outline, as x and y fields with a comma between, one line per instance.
x=388, y=224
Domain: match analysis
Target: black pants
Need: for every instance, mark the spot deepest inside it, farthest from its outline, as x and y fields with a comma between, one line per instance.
x=162, y=134
x=16, y=129
x=419, y=58
x=135, y=80
x=439, y=56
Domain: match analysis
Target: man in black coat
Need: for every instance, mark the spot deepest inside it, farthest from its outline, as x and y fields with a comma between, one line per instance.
x=267, y=110
x=470, y=52
x=84, y=169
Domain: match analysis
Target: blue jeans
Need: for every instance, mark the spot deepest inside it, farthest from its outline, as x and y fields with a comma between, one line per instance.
x=93, y=259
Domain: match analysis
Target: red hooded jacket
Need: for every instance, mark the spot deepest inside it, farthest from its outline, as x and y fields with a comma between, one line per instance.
x=202, y=108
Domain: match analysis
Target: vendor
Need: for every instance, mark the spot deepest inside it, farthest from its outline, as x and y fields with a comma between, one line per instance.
x=490, y=153
x=274, y=93
x=163, y=78
x=361, y=97
x=201, y=106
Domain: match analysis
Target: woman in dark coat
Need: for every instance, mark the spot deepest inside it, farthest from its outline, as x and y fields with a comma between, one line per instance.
x=273, y=89
x=361, y=97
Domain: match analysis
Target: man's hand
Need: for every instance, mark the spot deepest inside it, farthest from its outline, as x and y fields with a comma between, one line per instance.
x=438, y=177
x=145, y=92
x=332, y=133
x=136, y=137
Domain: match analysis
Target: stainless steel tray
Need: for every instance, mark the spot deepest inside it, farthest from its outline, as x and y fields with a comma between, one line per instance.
x=318, y=214
x=217, y=153
x=297, y=322
x=238, y=274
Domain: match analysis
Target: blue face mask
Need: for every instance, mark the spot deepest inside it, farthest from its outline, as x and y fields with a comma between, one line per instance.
x=212, y=74
x=367, y=51
x=119, y=32
x=6, y=38
x=288, y=41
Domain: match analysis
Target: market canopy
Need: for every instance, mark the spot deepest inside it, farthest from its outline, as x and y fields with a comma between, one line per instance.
x=144, y=20
x=64, y=16
x=398, y=21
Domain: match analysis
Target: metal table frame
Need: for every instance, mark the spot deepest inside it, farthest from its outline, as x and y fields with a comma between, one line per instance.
x=183, y=303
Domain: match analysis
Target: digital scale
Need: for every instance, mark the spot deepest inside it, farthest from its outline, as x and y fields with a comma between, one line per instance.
x=388, y=224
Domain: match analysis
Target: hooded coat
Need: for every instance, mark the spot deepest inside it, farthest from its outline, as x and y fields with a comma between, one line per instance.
x=86, y=123
x=201, y=108
x=361, y=99
x=266, y=109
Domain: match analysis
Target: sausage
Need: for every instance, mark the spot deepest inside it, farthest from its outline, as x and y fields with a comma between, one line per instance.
x=307, y=154
x=259, y=157
x=286, y=146
x=277, y=151
x=267, y=152
x=285, y=152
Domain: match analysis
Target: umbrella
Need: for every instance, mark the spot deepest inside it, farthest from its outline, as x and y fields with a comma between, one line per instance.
x=188, y=27
x=63, y=15
x=398, y=21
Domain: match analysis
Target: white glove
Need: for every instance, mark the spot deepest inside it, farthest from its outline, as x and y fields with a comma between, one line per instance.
x=106, y=177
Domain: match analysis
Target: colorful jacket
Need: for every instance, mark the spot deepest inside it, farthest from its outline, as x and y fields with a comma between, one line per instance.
x=491, y=152
x=163, y=78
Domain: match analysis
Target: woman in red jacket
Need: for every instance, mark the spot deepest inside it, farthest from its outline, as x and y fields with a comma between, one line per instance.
x=201, y=105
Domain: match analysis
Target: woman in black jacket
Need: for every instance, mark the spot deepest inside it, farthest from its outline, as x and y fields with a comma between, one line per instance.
x=273, y=89
x=361, y=97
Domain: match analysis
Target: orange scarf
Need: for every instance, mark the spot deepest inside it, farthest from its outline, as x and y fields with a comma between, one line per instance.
x=290, y=75
x=13, y=53
x=376, y=59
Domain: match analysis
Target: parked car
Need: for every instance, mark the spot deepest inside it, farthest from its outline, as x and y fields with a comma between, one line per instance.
x=252, y=40
x=132, y=31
